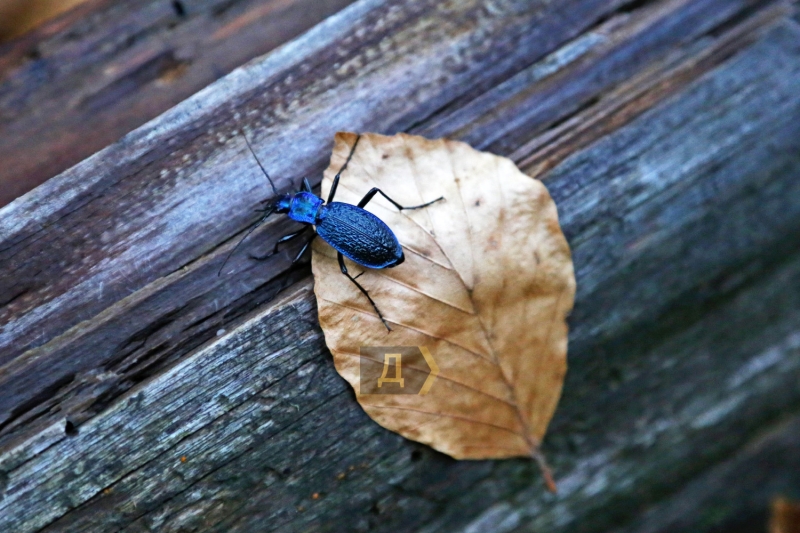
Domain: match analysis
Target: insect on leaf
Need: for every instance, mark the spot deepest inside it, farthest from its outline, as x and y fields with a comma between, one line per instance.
x=485, y=288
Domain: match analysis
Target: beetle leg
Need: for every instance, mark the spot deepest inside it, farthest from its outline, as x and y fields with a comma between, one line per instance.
x=306, y=185
x=267, y=212
x=283, y=239
x=343, y=267
x=304, y=248
x=333, y=188
x=372, y=192
x=338, y=174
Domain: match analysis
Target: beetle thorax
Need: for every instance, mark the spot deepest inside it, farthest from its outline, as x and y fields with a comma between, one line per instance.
x=304, y=207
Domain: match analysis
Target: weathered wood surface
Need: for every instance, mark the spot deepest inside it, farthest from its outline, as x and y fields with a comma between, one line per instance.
x=83, y=80
x=735, y=494
x=142, y=392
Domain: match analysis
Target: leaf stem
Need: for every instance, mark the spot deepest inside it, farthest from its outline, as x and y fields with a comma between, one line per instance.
x=547, y=474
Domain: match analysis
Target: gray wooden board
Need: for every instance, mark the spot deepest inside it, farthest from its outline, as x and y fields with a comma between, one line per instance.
x=128, y=219
x=148, y=300
x=736, y=495
x=684, y=344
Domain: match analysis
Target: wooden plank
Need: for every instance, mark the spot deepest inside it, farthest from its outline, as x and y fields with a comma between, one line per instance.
x=736, y=494
x=186, y=183
x=84, y=80
x=300, y=428
x=165, y=328
x=257, y=411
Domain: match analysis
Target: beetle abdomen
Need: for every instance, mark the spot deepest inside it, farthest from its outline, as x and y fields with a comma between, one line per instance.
x=359, y=235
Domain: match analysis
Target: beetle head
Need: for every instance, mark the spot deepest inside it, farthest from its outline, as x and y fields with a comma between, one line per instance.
x=282, y=204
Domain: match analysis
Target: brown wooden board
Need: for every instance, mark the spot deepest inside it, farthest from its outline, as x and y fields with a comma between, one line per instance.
x=140, y=391
x=85, y=79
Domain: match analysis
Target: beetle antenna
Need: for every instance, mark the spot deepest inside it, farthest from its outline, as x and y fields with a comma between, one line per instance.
x=274, y=190
x=269, y=211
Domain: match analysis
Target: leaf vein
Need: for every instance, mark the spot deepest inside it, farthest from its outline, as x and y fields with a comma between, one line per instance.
x=446, y=415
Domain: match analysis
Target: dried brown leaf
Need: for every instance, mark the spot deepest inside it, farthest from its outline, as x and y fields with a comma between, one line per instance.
x=486, y=285
x=784, y=516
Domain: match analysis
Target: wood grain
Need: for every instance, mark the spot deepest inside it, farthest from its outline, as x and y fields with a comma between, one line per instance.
x=85, y=79
x=20, y=16
x=142, y=392
x=736, y=492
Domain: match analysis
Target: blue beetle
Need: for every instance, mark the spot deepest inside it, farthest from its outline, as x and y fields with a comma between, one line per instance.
x=351, y=230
